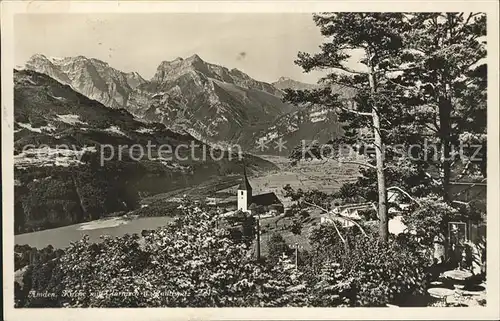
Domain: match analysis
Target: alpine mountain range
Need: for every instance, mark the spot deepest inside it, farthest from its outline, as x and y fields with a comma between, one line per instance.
x=213, y=103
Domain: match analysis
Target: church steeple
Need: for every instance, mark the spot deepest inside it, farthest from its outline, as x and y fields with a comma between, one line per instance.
x=245, y=184
x=244, y=192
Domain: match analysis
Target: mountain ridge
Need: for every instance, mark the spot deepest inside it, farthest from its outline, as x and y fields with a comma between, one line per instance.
x=92, y=77
x=289, y=83
x=217, y=103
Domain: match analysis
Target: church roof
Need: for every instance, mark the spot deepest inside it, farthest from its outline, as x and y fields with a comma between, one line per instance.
x=266, y=199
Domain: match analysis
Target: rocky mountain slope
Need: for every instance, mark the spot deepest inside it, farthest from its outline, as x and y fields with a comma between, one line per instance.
x=91, y=77
x=77, y=160
x=303, y=125
x=288, y=83
x=210, y=101
x=215, y=104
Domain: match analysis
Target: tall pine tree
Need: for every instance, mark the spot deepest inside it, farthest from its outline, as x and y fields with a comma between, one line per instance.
x=446, y=73
x=420, y=95
x=378, y=37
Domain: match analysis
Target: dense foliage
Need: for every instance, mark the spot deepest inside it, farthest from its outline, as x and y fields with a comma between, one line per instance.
x=194, y=262
x=25, y=255
x=190, y=262
x=377, y=273
x=277, y=247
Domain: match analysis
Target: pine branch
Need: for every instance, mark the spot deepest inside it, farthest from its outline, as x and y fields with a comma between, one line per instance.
x=435, y=130
x=434, y=180
x=355, y=112
x=404, y=192
x=329, y=79
x=466, y=23
x=326, y=211
x=349, y=70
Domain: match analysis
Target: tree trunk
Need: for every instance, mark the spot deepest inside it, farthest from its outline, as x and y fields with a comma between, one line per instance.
x=258, y=238
x=444, y=133
x=379, y=156
x=382, y=190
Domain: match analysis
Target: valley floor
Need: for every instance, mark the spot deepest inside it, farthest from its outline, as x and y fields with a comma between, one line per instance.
x=326, y=176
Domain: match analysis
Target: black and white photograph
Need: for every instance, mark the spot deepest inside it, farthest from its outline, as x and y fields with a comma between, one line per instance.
x=260, y=159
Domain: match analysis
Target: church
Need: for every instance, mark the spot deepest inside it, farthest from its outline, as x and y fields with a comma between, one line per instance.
x=245, y=198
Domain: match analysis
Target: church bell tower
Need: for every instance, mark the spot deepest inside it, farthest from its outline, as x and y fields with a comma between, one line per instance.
x=244, y=193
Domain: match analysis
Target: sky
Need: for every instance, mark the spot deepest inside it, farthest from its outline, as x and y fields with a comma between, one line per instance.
x=263, y=45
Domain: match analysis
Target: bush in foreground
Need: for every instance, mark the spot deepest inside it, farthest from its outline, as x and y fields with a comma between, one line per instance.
x=192, y=262
x=372, y=273
x=188, y=263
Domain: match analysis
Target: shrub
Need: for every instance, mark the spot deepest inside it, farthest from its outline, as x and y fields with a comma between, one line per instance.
x=276, y=248
x=429, y=219
x=368, y=214
x=385, y=273
x=378, y=273
x=189, y=262
x=38, y=275
x=332, y=288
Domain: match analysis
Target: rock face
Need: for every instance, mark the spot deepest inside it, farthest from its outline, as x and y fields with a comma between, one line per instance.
x=209, y=101
x=92, y=77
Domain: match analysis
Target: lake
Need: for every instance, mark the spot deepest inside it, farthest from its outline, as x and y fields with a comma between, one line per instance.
x=61, y=237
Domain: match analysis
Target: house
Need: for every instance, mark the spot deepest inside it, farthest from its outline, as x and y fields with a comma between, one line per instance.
x=269, y=201
x=245, y=198
x=345, y=214
x=352, y=210
x=213, y=200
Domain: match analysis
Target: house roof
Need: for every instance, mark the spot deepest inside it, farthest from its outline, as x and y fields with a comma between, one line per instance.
x=472, y=183
x=353, y=206
x=266, y=199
